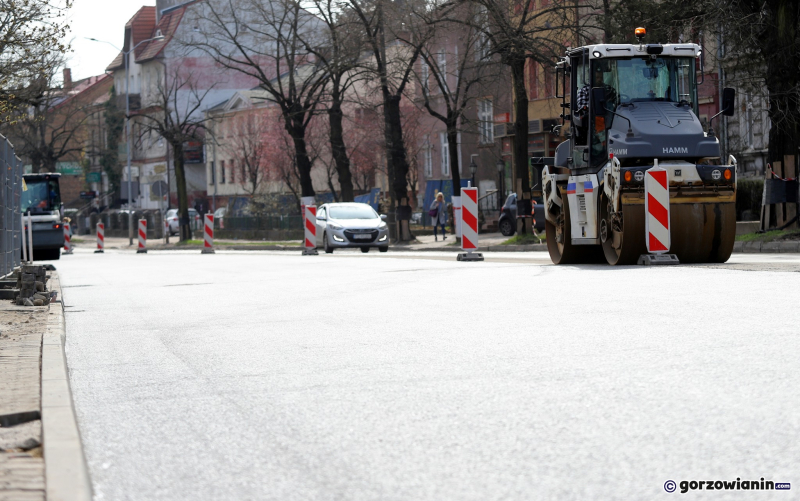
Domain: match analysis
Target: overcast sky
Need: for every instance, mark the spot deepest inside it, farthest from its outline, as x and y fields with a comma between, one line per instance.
x=103, y=20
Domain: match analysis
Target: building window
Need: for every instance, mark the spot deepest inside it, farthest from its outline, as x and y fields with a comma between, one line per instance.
x=548, y=81
x=222, y=172
x=485, y=121
x=445, y=154
x=244, y=174
x=427, y=151
x=442, y=60
x=533, y=79
x=213, y=175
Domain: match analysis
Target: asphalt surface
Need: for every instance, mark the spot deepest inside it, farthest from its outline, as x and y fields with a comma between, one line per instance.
x=272, y=376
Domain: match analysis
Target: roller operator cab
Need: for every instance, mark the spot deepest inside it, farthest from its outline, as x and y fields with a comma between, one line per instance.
x=631, y=108
x=41, y=197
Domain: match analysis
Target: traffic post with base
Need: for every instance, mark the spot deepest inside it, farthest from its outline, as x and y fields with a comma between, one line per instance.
x=208, y=234
x=469, y=225
x=657, y=223
x=101, y=238
x=142, y=237
x=310, y=240
x=67, y=241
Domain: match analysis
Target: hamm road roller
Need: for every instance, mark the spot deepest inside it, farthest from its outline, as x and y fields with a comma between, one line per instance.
x=633, y=107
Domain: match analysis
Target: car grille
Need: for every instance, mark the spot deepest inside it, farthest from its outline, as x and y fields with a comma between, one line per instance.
x=350, y=234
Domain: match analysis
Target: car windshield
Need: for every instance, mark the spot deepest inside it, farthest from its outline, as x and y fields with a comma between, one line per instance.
x=352, y=212
x=41, y=196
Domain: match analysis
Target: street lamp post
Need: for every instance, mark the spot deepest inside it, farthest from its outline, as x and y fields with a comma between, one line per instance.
x=126, y=55
x=473, y=167
x=501, y=166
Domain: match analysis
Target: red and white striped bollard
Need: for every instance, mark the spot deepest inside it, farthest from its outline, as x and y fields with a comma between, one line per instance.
x=469, y=225
x=656, y=217
x=310, y=231
x=208, y=234
x=67, y=241
x=101, y=238
x=142, y=237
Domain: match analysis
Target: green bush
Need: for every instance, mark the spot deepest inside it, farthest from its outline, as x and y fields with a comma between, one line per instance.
x=748, y=197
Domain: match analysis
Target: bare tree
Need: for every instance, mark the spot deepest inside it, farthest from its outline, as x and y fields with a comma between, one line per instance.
x=338, y=48
x=394, y=55
x=267, y=41
x=518, y=32
x=447, y=90
x=175, y=114
x=253, y=147
x=50, y=125
x=31, y=43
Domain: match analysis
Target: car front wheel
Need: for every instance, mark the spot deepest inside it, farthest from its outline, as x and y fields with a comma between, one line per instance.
x=506, y=228
x=328, y=248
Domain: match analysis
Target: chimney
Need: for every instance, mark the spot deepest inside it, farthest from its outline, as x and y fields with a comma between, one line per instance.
x=67, y=79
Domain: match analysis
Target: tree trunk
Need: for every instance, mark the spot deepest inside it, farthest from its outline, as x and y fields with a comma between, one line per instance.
x=297, y=130
x=395, y=147
x=339, y=152
x=521, y=177
x=183, y=198
x=782, y=80
x=452, y=147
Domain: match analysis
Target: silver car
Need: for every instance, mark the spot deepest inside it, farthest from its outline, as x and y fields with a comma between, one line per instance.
x=341, y=225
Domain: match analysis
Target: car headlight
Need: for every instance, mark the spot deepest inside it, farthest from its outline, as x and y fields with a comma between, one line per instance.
x=334, y=226
x=382, y=226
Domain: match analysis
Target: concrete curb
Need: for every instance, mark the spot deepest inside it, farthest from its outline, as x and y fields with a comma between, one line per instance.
x=66, y=473
x=766, y=247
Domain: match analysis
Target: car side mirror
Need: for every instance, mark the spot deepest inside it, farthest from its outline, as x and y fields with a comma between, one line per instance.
x=728, y=100
x=383, y=216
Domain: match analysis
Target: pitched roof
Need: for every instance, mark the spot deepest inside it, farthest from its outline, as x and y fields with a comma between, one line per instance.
x=167, y=25
x=140, y=27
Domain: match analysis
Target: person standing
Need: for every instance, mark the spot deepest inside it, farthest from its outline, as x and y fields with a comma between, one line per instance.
x=438, y=213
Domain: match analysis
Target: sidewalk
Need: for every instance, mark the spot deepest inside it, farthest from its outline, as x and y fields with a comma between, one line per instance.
x=41, y=456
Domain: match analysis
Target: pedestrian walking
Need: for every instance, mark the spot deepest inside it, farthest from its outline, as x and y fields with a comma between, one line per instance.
x=438, y=213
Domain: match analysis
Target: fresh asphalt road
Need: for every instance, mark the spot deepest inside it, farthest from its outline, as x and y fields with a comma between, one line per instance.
x=272, y=376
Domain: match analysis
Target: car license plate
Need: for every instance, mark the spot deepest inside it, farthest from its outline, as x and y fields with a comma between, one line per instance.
x=363, y=236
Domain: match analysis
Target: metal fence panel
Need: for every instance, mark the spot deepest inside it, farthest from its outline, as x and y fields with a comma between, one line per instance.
x=277, y=222
x=10, y=198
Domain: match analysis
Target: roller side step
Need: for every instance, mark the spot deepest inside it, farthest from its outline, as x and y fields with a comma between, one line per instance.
x=658, y=260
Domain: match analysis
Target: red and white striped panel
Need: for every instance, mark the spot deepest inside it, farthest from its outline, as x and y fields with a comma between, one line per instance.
x=469, y=219
x=142, y=235
x=656, y=208
x=311, y=227
x=208, y=232
x=101, y=236
x=67, y=242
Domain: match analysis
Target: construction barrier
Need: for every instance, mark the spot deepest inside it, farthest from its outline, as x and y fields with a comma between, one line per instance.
x=208, y=235
x=657, y=222
x=67, y=241
x=142, y=237
x=656, y=207
x=310, y=240
x=469, y=225
x=101, y=238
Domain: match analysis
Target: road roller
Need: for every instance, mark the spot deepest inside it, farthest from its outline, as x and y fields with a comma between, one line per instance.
x=632, y=107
